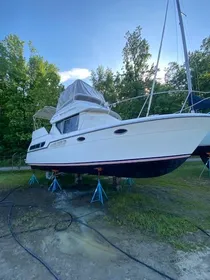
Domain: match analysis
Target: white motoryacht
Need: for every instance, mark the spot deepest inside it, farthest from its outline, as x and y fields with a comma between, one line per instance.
x=86, y=135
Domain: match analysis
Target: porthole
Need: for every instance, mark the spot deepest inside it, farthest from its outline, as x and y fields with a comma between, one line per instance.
x=120, y=131
x=80, y=139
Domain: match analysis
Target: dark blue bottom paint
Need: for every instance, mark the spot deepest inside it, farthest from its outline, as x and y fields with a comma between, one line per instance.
x=131, y=170
x=203, y=151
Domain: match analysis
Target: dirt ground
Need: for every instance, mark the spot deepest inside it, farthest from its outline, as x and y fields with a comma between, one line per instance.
x=78, y=252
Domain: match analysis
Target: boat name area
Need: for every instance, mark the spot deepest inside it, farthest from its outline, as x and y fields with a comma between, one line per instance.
x=58, y=144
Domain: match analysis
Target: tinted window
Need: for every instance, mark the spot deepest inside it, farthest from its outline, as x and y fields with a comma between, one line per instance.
x=68, y=125
x=71, y=124
x=42, y=144
x=59, y=126
x=37, y=146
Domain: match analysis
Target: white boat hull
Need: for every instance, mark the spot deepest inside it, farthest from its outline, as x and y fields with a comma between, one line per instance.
x=149, y=147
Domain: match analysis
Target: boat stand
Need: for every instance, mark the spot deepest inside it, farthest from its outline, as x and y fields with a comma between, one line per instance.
x=33, y=180
x=206, y=165
x=55, y=184
x=78, y=179
x=99, y=192
x=129, y=182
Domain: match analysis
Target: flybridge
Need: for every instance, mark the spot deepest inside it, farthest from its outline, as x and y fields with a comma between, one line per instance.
x=80, y=90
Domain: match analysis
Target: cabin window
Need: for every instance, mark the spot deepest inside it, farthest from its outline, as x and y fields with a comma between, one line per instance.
x=59, y=126
x=68, y=125
x=37, y=146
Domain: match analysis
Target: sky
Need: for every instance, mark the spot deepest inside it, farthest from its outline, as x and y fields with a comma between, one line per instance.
x=79, y=35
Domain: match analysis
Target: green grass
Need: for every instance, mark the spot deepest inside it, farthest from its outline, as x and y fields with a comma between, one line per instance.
x=9, y=180
x=167, y=207
x=12, y=179
x=133, y=210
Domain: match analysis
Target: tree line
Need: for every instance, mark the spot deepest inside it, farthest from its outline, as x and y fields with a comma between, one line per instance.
x=136, y=78
x=29, y=84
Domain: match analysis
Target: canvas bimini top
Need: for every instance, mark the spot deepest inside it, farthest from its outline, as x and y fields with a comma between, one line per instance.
x=45, y=113
x=80, y=90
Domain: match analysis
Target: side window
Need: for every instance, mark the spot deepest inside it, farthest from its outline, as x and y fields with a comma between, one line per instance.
x=71, y=124
x=59, y=126
x=68, y=125
x=37, y=146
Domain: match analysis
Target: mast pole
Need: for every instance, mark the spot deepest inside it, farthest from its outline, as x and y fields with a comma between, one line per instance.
x=158, y=59
x=187, y=64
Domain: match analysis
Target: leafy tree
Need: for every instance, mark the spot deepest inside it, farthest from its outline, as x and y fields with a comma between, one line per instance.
x=135, y=79
x=136, y=55
x=205, y=46
x=200, y=70
x=25, y=87
x=107, y=82
x=176, y=76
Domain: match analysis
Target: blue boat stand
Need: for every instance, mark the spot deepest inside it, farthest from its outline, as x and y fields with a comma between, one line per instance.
x=129, y=182
x=98, y=194
x=55, y=184
x=206, y=165
x=33, y=180
x=99, y=191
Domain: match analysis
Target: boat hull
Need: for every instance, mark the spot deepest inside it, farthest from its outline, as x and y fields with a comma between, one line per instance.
x=204, y=146
x=203, y=150
x=145, y=147
x=132, y=169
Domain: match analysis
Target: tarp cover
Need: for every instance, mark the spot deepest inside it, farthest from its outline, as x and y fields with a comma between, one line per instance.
x=45, y=113
x=80, y=90
x=202, y=102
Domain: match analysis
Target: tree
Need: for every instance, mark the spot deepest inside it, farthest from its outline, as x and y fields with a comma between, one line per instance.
x=200, y=70
x=136, y=55
x=200, y=73
x=135, y=79
x=205, y=46
x=25, y=87
x=176, y=76
x=107, y=82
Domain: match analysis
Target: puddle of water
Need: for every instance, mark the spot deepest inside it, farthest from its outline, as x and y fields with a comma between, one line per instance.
x=86, y=212
x=74, y=243
x=84, y=242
